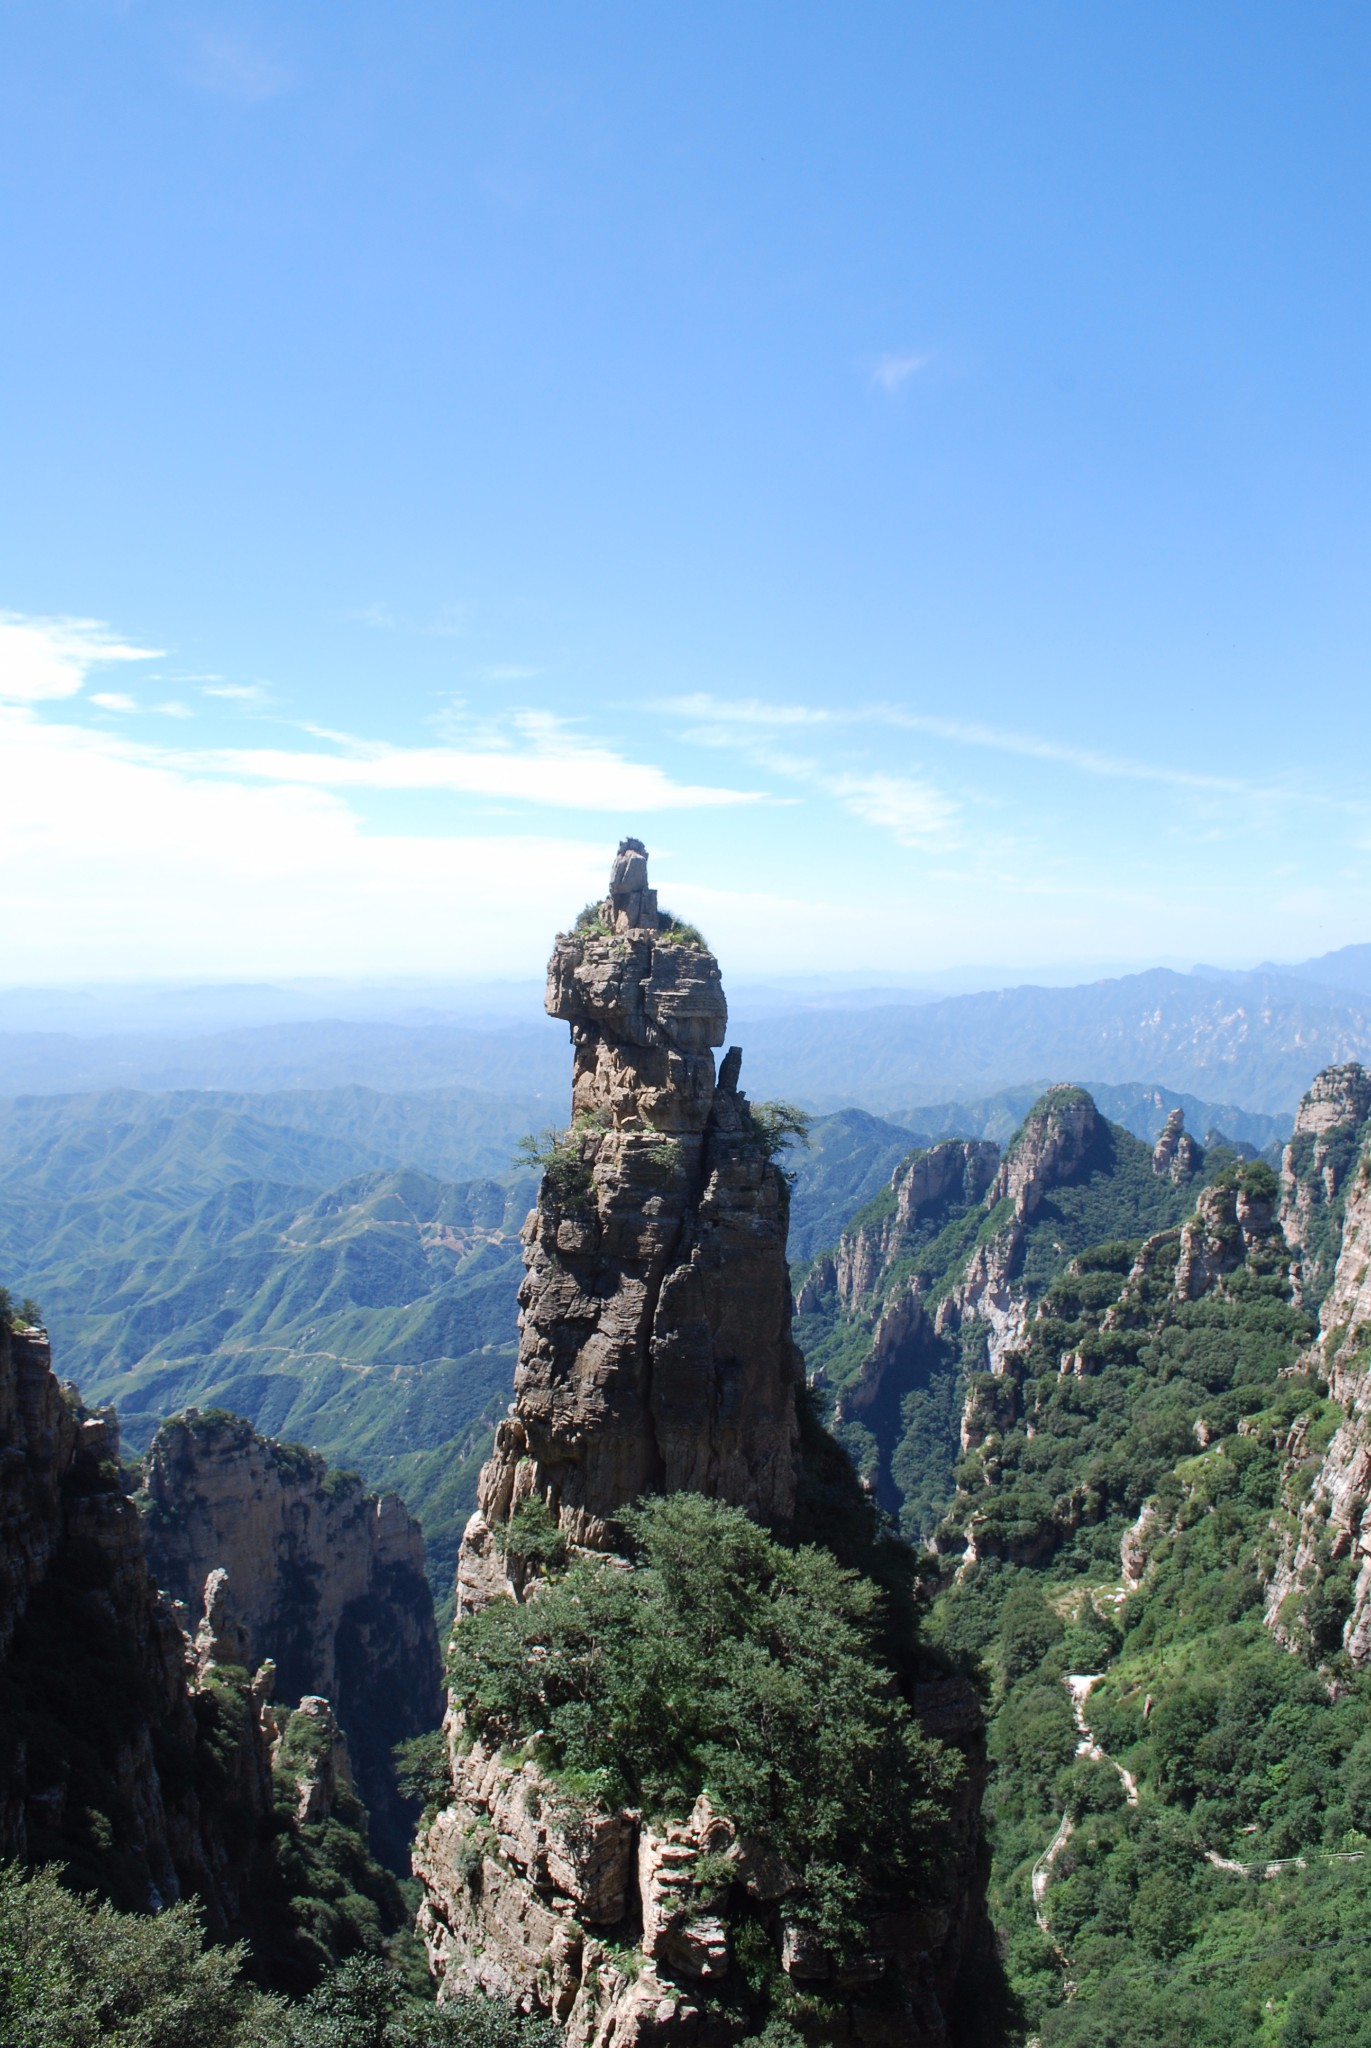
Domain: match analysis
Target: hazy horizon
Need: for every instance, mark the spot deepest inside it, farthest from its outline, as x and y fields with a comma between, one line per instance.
x=907, y=465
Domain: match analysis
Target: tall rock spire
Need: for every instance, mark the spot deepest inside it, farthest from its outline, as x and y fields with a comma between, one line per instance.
x=655, y=1351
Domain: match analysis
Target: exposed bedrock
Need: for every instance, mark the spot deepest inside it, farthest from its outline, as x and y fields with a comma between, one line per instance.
x=655, y=1349
x=328, y=1582
x=656, y=1356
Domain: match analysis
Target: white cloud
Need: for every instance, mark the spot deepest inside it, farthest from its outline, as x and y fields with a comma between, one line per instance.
x=44, y=658
x=892, y=371
x=113, y=700
x=236, y=693
x=914, y=812
x=119, y=860
x=174, y=709
x=541, y=763
x=743, y=711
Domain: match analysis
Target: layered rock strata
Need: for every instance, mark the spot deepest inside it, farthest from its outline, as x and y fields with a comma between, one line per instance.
x=328, y=1583
x=655, y=1347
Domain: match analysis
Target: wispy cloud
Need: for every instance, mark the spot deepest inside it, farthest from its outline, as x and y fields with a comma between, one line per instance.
x=234, y=68
x=235, y=693
x=744, y=711
x=44, y=658
x=113, y=700
x=756, y=715
x=912, y=810
x=536, y=761
x=891, y=372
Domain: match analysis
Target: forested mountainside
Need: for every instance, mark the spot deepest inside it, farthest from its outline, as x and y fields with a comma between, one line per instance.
x=1151, y=1443
x=932, y=1279
x=198, y=1249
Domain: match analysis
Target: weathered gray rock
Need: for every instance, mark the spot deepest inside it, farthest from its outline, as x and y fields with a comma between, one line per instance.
x=328, y=1581
x=1176, y=1153
x=655, y=1356
x=1331, y=1125
x=1333, y=1524
x=66, y=1526
x=655, y=1348
x=1229, y=1223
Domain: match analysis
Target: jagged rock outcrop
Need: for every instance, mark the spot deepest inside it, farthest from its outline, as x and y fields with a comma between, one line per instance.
x=952, y=1175
x=328, y=1582
x=1230, y=1219
x=1327, y=1190
x=1176, y=1153
x=619, y=1927
x=111, y=1760
x=655, y=1348
x=311, y=1750
x=656, y=1356
x=928, y=1284
x=1331, y=1126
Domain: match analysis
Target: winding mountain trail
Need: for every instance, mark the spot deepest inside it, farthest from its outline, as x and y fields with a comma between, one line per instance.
x=1078, y=1685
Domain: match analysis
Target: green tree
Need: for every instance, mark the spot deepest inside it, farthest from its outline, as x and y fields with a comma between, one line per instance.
x=724, y=1662
x=74, y=1973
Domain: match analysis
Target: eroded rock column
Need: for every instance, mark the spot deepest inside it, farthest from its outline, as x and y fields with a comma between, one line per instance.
x=655, y=1349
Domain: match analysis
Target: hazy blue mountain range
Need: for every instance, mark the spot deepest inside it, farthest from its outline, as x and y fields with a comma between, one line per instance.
x=1141, y=1107
x=1255, y=1038
x=512, y=1058
x=159, y=1149
x=1259, y=1042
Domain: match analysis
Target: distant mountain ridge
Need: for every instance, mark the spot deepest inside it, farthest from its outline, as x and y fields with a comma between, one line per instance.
x=1258, y=1042
x=1255, y=1038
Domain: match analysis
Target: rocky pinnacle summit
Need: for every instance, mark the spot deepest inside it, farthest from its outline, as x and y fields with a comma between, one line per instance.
x=655, y=1350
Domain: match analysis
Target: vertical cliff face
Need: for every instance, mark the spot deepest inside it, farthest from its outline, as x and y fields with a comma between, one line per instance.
x=656, y=1358
x=109, y=1762
x=655, y=1349
x=1320, y=1591
x=328, y=1583
x=1331, y=1126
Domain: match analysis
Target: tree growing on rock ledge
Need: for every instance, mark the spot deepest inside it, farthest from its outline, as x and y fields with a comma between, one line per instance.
x=693, y=1799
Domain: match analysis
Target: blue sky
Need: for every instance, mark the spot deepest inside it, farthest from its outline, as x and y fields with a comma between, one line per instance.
x=907, y=462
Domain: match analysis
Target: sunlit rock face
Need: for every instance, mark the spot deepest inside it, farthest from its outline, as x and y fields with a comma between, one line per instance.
x=655, y=1349
x=1326, y=1212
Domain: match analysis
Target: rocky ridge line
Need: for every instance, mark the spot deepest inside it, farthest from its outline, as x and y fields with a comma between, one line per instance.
x=328, y=1579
